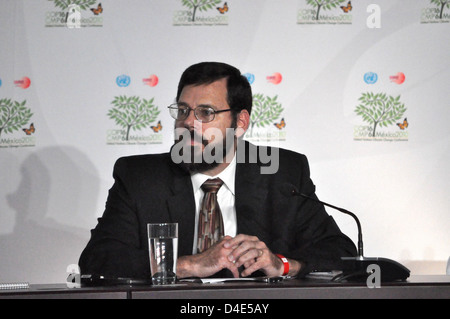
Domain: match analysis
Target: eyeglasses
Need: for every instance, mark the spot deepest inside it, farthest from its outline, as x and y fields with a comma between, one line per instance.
x=203, y=113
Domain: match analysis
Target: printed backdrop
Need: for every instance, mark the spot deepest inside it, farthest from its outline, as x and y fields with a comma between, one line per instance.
x=360, y=87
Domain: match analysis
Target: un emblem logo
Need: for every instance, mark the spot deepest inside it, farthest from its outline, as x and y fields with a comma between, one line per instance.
x=370, y=78
x=123, y=80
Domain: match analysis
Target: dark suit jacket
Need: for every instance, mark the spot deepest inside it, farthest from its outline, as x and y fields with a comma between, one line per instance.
x=152, y=189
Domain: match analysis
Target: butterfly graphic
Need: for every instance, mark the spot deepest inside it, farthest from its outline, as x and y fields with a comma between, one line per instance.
x=224, y=9
x=348, y=8
x=98, y=10
x=157, y=128
x=280, y=125
x=403, y=125
x=30, y=130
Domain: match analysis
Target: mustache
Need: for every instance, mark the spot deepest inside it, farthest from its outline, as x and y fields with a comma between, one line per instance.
x=194, y=136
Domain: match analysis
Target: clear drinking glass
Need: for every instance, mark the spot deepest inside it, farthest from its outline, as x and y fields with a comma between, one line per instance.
x=163, y=251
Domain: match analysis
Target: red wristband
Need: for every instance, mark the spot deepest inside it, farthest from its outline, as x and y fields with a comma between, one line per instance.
x=285, y=263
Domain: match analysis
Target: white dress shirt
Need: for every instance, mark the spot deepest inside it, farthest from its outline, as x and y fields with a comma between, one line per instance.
x=225, y=197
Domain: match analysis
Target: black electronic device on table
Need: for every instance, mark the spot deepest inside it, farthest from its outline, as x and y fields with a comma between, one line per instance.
x=356, y=267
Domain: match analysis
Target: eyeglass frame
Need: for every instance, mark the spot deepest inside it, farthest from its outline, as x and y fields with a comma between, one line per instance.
x=204, y=106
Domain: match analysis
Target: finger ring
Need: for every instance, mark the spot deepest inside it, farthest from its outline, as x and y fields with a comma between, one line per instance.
x=260, y=252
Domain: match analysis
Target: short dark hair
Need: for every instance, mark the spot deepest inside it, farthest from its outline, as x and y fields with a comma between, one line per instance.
x=239, y=90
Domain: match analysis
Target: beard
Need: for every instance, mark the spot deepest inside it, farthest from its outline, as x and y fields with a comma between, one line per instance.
x=205, y=154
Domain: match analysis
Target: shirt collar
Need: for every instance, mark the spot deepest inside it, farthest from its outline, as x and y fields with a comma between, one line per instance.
x=227, y=176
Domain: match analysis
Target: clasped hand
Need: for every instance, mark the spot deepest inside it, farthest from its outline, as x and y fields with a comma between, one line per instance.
x=231, y=253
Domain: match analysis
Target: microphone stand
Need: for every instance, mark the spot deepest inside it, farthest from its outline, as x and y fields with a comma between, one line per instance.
x=390, y=269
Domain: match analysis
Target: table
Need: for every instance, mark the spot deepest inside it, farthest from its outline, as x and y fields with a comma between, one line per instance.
x=417, y=287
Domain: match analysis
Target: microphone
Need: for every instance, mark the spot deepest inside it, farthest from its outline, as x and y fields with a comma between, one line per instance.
x=390, y=269
x=342, y=210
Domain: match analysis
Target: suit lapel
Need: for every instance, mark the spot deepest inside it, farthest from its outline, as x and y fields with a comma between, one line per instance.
x=181, y=208
x=252, y=207
x=251, y=195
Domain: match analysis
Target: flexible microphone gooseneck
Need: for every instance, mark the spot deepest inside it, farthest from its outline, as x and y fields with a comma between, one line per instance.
x=390, y=269
x=342, y=210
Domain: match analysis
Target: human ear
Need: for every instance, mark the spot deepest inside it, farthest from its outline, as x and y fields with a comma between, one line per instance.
x=242, y=124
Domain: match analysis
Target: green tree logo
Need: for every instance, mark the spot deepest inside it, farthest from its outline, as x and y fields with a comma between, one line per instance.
x=13, y=115
x=83, y=4
x=266, y=110
x=133, y=113
x=442, y=4
x=201, y=5
x=324, y=4
x=380, y=109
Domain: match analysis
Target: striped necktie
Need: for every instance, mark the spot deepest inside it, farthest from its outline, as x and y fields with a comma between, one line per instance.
x=210, y=225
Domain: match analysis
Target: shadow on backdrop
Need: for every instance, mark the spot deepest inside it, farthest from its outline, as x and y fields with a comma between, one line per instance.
x=54, y=207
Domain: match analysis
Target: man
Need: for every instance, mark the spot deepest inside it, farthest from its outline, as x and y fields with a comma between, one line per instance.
x=260, y=226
